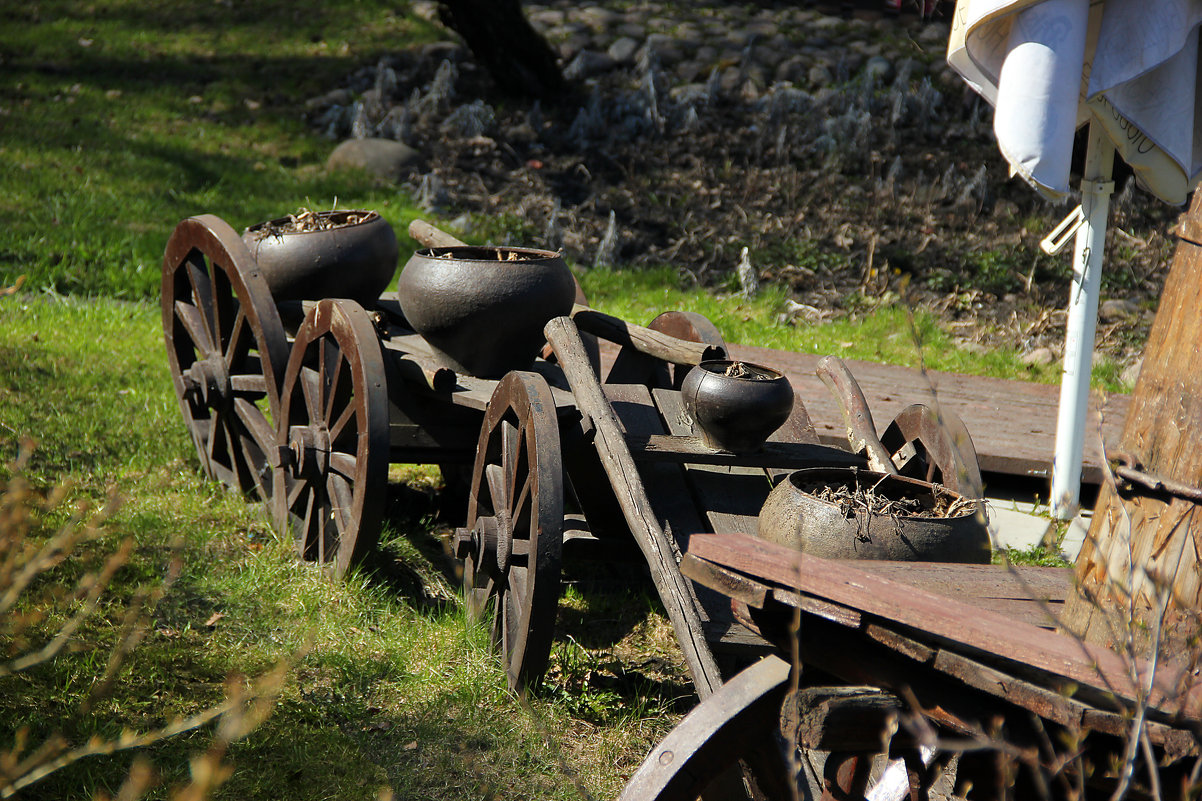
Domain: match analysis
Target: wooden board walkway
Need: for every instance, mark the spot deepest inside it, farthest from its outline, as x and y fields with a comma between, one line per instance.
x=1012, y=423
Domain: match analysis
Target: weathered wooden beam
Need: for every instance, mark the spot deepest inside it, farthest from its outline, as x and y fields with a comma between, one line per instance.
x=674, y=590
x=644, y=340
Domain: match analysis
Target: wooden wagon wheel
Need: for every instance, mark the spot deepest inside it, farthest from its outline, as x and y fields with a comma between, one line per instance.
x=226, y=350
x=514, y=535
x=333, y=437
x=934, y=446
x=739, y=723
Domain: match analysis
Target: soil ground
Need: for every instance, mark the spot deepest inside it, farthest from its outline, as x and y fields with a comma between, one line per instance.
x=870, y=178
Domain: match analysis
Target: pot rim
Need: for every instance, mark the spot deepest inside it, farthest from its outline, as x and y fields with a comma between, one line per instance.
x=263, y=229
x=486, y=254
x=858, y=475
x=717, y=367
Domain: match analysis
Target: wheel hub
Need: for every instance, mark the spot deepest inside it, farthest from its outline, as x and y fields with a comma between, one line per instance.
x=208, y=381
x=490, y=543
x=309, y=450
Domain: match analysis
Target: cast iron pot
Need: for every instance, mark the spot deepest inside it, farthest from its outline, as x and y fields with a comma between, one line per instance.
x=736, y=412
x=355, y=261
x=483, y=309
x=793, y=516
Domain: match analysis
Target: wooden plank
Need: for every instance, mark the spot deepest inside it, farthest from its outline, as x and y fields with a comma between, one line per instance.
x=984, y=581
x=1032, y=595
x=1049, y=704
x=727, y=582
x=673, y=589
x=730, y=496
x=673, y=503
x=950, y=620
x=781, y=455
x=664, y=482
x=906, y=646
x=1012, y=423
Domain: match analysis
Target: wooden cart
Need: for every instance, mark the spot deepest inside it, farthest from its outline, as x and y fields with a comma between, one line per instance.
x=952, y=677
x=305, y=405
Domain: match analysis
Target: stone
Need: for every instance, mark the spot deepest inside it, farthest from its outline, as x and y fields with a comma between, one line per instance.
x=336, y=97
x=933, y=33
x=588, y=64
x=634, y=30
x=880, y=68
x=1011, y=527
x=597, y=17
x=792, y=69
x=689, y=71
x=1131, y=373
x=1116, y=310
x=381, y=157
x=1039, y=356
x=546, y=17
x=623, y=50
x=819, y=76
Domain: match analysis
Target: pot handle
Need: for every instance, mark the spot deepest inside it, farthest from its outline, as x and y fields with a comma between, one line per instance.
x=861, y=431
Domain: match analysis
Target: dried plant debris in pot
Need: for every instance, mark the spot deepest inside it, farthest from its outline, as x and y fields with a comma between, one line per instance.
x=748, y=372
x=901, y=500
x=306, y=221
x=499, y=254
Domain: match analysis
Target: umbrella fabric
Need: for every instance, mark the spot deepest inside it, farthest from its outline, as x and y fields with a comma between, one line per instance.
x=1049, y=66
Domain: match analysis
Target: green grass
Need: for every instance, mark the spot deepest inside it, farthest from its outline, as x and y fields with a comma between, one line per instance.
x=892, y=332
x=119, y=119
x=387, y=691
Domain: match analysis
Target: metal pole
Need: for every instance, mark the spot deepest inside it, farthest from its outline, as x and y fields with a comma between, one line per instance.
x=1096, y=188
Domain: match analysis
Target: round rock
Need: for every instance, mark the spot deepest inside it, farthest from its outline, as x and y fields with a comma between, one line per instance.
x=381, y=157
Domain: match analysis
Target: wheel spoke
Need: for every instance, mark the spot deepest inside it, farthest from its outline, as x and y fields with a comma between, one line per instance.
x=510, y=444
x=340, y=424
x=299, y=485
x=240, y=340
x=306, y=539
x=519, y=510
x=189, y=316
x=342, y=501
x=343, y=463
x=494, y=475
x=212, y=438
x=333, y=376
x=311, y=387
x=202, y=295
x=249, y=384
x=256, y=424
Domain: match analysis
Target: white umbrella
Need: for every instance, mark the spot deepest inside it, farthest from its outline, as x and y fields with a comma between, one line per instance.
x=1128, y=68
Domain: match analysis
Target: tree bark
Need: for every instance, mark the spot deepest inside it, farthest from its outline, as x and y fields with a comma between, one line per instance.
x=514, y=54
x=1144, y=547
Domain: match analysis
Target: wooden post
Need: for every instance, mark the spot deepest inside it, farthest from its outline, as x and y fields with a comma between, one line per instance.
x=1141, y=547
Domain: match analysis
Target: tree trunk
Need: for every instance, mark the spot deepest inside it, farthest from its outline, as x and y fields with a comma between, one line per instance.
x=1143, y=546
x=515, y=55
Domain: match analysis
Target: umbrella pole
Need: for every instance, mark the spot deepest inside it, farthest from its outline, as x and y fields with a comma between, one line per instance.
x=1096, y=188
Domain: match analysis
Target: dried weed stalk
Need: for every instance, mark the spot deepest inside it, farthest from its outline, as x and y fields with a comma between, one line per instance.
x=41, y=619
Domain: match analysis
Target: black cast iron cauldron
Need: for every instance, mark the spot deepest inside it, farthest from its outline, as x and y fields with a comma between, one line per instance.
x=736, y=405
x=483, y=309
x=352, y=255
